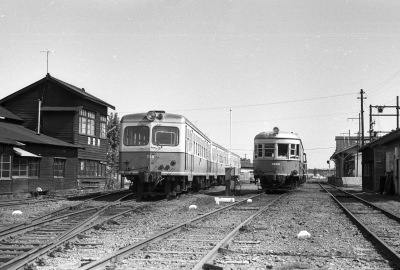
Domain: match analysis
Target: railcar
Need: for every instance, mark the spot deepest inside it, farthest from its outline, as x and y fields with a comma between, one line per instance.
x=279, y=160
x=165, y=154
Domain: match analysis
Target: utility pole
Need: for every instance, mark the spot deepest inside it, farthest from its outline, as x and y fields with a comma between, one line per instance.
x=47, y=52
x=230, y=137
x=362, y=116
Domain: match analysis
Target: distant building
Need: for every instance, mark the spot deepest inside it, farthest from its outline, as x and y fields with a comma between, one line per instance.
x=346, y=157
x=76, y=119
x=246, y=171
x=320, y=172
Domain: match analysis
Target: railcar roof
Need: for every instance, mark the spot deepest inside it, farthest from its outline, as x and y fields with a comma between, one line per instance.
x=280, y=135
x=168, y=117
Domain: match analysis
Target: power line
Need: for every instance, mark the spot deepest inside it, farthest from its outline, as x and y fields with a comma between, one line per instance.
x=270, y=103
x=283, y=118
x=385, y=82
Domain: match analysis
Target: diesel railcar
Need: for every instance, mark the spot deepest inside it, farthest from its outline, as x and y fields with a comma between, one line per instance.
x=279, y=160
x=165, y=154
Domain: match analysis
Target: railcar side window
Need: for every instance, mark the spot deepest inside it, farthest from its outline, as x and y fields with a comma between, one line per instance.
x=167, y=136
x=283, y=150
x=269, y=150
x=136, y=136
x=294, y=151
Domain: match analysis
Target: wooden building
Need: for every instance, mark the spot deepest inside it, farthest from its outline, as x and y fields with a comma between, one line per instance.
x=29, y=160
x=68, y=113
x=381, y=164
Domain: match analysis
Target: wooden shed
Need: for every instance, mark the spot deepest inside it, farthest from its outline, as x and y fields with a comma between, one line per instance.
x=68, y=113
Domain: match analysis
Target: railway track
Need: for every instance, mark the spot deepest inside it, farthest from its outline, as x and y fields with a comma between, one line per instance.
x=271, y=240
x=382, y=226
x=13, y=203
x=65, y=210
x=187, y=245
x=24, y=243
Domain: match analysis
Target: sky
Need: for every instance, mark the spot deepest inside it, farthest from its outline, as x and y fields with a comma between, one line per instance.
x=233, y=68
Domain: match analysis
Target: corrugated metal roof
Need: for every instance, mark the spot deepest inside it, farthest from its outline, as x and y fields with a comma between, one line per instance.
x=9, y=115
x=76, y=90
x=13, y=133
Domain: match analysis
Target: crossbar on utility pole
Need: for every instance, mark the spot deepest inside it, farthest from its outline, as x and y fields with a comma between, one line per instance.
x=380, y=109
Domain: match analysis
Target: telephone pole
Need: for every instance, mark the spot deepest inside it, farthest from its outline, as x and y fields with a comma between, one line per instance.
x=362, y=115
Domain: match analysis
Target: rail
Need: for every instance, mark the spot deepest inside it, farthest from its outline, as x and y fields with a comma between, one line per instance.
x=33, y=253
x=124, y=252
x=391, y=252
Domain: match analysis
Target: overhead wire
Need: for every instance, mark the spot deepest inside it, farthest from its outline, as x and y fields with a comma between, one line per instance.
x=385, y=82
x=269, y=103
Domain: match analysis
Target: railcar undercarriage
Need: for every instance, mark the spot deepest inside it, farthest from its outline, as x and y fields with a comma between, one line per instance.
x=279, y=182
x=154, y=184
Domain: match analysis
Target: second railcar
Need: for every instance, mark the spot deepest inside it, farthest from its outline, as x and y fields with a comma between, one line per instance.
x=163, y=154
x=279, y=160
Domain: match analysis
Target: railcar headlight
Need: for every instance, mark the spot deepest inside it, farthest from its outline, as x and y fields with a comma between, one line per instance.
x=276, y=130
x=151, y=115
x=160, y=116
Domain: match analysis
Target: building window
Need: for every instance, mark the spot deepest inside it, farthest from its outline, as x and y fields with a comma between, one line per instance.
x=91, y=168
x=20, y=167
x=59, y=167
x=25, y=167
x=103, y=126
x=5, y=166
x=86, y=122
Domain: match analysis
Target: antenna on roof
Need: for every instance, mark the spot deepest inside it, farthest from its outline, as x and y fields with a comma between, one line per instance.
x=47, y=52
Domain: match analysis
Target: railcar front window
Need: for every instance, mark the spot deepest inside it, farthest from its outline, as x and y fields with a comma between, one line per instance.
x=136, y=136
x=258, y=150
x=294, y=151
x=269, y=150
x=283, y=150
x=165, y=136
